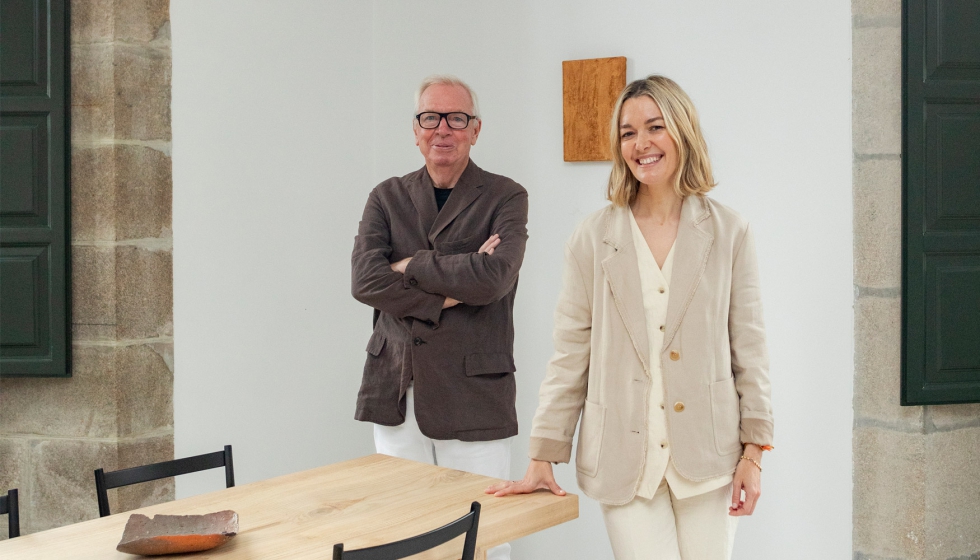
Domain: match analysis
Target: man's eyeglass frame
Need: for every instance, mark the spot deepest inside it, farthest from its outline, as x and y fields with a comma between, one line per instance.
x=445, y=116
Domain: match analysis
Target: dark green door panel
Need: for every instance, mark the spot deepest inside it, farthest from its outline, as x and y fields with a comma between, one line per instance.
x=941, y=202
x=34, y=163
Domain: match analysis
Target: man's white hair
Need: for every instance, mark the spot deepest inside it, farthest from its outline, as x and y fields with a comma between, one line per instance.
x=448, y=80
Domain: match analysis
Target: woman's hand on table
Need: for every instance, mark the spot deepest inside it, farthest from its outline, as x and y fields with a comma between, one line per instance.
x=539, y=475
x=748, y=478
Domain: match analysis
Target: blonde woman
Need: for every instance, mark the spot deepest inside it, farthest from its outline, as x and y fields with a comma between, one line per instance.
x=659, y=347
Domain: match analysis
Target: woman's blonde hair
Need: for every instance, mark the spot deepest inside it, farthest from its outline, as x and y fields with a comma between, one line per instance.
x=693, y=174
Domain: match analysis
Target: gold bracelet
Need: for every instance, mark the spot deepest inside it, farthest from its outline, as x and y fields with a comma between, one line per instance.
x=753, y=461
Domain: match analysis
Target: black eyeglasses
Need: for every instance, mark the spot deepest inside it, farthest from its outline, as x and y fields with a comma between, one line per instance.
x=429, y=119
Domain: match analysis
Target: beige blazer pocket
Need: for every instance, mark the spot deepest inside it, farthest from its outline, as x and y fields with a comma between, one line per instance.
x=590, y=438
x=725, y=416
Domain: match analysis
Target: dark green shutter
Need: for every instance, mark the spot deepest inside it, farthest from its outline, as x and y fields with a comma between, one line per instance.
x=34, y=163
x=941, y=202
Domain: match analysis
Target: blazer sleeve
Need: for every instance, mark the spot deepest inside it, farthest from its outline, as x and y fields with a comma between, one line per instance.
x=477, y=278
x=564, y=388
x=374, y=283
x=750, y=358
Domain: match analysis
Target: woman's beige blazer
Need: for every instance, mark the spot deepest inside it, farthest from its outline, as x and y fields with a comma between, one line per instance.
x=714, y=360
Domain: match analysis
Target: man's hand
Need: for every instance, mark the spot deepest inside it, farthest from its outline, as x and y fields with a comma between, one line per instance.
x=401, y=265
x=490, y=244
x=450, y=302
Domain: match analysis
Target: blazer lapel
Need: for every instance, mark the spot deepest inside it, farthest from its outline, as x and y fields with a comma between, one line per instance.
x=692, y=246
x=424, y=200
x=623, y=275
x=468, y=188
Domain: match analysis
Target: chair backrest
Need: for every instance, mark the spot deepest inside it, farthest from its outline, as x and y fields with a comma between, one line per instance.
x=8, y=505
x=468, y=524
x=107, y=480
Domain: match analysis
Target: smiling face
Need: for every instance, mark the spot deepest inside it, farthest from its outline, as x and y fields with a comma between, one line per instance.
x=444, y=147
x=648, y=149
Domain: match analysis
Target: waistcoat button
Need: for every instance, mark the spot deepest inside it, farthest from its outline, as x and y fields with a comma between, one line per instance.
x=679, y=407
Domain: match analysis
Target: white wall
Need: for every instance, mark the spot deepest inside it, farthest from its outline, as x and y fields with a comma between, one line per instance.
x=286, y=114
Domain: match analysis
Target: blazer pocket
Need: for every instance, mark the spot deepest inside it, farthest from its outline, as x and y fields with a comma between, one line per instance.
x=725, y=416
x=469, y=245
x=376, y=343
x=489, y=362
x=590, y=438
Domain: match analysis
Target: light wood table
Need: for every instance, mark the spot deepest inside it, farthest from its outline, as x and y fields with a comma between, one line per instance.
x=363, y=502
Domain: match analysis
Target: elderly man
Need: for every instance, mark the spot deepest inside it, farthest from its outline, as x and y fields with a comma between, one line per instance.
x=437, y=255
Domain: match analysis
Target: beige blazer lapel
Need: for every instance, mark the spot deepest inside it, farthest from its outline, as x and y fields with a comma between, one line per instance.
x=691, y=249
x=468, y=188
x=623, y=274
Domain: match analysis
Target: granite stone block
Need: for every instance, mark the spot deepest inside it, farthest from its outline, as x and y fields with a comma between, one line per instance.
x=93, y=196
x=91, y=21
x=142, y=92
x=144, y=292
x=146, y=383
x=93, y=280
x=90, y=123
x=877, y=90
x=83, y=333
x=952, y=501
x=144, y=451
x=946, y=417
x=140, y=20
x=83, y=405
x=878, y=223
x=92, y=85
x=143, y=187
x=63, y=487
x=877, y=365
x=876, y=13
x=889, y=493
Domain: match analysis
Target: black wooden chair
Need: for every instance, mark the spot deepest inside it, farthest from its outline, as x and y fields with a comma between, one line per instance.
x=104, y=481
x=468, y=524
x=8, y=505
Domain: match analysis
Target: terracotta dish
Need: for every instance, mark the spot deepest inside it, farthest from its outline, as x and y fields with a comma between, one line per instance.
x=172, y=534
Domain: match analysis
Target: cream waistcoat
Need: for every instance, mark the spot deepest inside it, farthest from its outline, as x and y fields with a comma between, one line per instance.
x=655, y=287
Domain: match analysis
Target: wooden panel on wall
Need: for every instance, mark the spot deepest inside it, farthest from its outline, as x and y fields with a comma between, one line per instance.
x=590, y=88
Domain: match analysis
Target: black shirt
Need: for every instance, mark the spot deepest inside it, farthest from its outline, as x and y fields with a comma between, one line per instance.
x=442, y=195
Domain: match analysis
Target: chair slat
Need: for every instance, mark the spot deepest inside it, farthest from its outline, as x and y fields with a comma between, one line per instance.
x=9, y=505
x=104, y=481
x=468, y=524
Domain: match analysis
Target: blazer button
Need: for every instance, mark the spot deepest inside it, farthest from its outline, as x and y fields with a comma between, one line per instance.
x=413, y=281
x=679, y=407
x=662, y=328
x=662, y=290
x=419, y=341
x=663, y=444
x=675, y=355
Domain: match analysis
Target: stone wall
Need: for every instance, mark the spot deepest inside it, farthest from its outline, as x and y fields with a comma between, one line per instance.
x=917, y=468
x=116, y=410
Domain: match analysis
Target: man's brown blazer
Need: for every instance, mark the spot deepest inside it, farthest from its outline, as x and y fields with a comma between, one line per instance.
x=461, y=359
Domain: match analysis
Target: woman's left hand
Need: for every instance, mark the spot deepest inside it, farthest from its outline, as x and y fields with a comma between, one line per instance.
x=747, y=479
